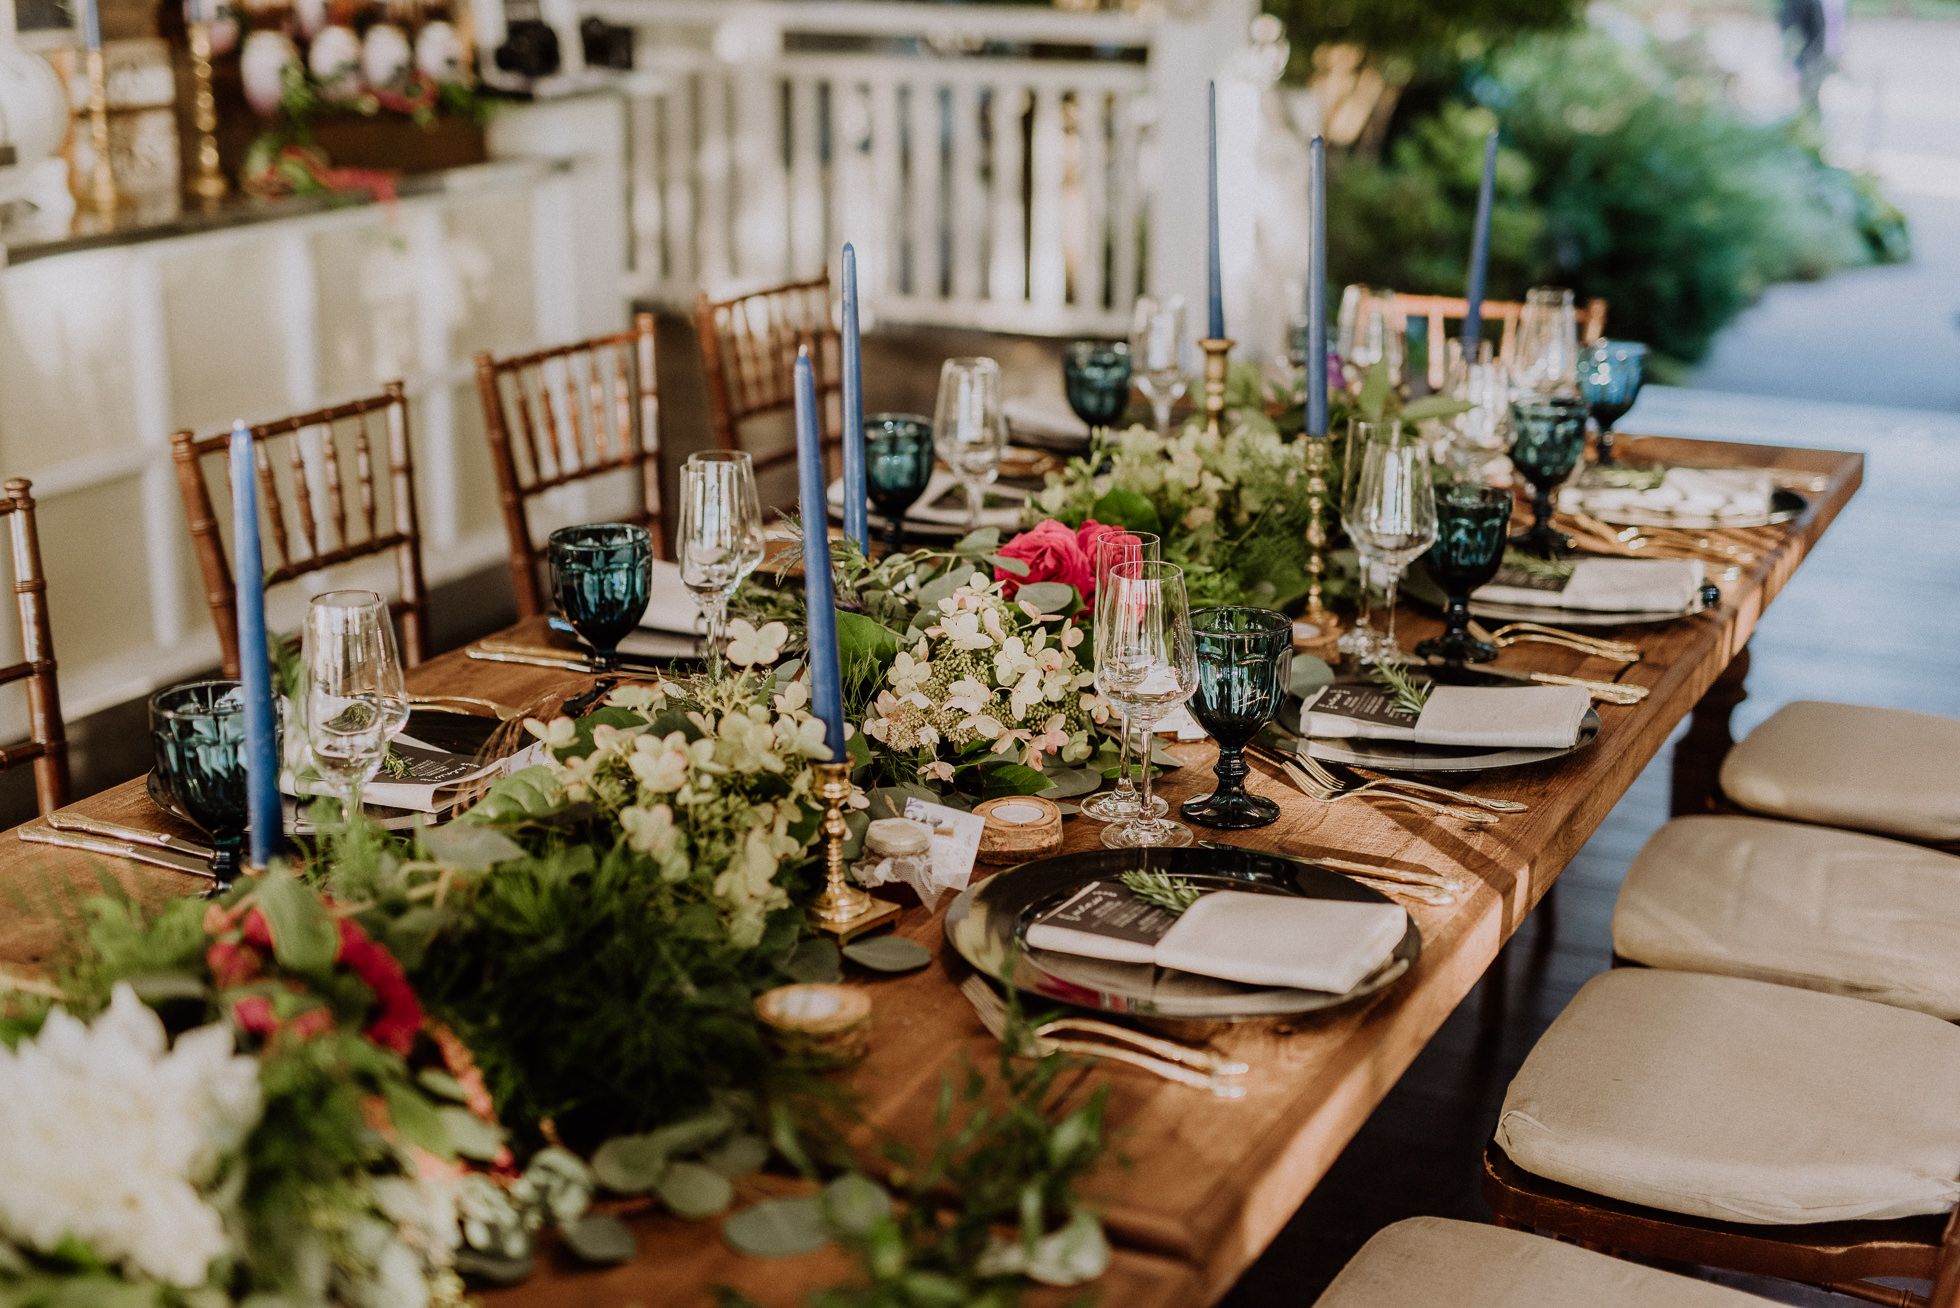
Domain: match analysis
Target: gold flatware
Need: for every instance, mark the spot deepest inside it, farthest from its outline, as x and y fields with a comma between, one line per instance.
x=81, y=824
x=983, y=998
x=1424, y=887
x=443, y=703
x=1327, y=794
x=1344, y=777
x=1520, y=633
x=498, y=656
x=1605, y=692
x=994, y=1018
x=39, y=833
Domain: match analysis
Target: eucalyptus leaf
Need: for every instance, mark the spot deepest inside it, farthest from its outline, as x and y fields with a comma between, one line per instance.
x=471, y=1136
x=1069, y=810
x=738, y=1155
x=1077, y=1253
x=473, y=849
x=694, y=1191
x=1308, y=675
x=693, y=1134
x=417, y=1120
x=1015, y=567
x=888, y=954
x=1050, y=597
x=440, y=1084
x=304, y=937
x=1434, y=406
x=814, y=962
x=854, y=1203
x=630, y=1164
x=942, y=587
x=778, y=1228
x=978, y=543
x=597, y=1238
x=156, y=987
x=1162, y=757
x=491, y=1268
x=1070, y=781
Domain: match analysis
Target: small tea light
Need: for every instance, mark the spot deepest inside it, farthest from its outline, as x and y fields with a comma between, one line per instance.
x=828, y=1022
x=1305, y=633
x=1018, y=814
x=1019, y=827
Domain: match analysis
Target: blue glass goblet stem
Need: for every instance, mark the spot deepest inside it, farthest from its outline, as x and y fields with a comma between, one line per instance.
x=197, y=744
x=1548, y=434
x=1610, y=373
x=601, y=575
x=1096, y=378
x=1244, y=655
x=1472, y=521
x=897, y=465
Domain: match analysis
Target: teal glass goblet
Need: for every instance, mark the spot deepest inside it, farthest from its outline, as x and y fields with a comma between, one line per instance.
x=1244, y=656
x=1472, y=521
x=1548, y=434
x=1610, y=373
x=601, y=574
x=197, y=745
x=897, y=465
x=1096, y=378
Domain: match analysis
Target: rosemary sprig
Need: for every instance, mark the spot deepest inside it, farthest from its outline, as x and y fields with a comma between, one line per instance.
x=1409, y=696
x=1172, y=894
x=1533, y=566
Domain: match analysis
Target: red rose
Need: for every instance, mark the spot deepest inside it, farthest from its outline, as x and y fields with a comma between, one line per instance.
x=401, y=1013
x=254, y=1015
x=1052, y=553
x=257, y=930
x=231, y=963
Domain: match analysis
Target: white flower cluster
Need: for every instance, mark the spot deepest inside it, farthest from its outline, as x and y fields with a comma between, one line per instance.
x=110, y=1135
x=1195, y=479
x=989, y=669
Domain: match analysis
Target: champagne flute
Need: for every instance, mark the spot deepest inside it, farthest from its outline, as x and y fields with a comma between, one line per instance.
x=1547, y=358
x=1157, y=354
x=1392, y=512
x=1610, y=373
x=1147, y=665
x=968, y=427
x=350, y=668
x=720, y=535
x=1115, y=546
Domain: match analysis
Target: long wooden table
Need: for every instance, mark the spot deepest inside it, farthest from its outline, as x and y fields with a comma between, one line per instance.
x=1197, y=1186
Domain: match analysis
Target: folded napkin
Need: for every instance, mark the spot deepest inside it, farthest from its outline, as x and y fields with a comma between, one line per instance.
x=1278, y=940
x=670, y=604
x=1524, y=717
x=1685, y=497
x=1606, y=586
x=1048, y=417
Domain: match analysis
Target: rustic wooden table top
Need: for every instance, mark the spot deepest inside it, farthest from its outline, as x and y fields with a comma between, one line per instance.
x=1196, y=1186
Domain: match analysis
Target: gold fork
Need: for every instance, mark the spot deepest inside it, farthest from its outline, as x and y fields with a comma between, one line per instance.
x=1313, y=788
x=993, y=1016
x=1518, y=633
x=441, y=703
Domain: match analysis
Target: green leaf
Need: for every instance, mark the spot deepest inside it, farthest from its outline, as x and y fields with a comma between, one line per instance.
x=304, y=937
x=978, y=543
x=693, y=1134
x=1014, y=567
x=1162, y=757
x=417, y=1120
x=1308, y=675
x=597, y=1238
x=155, y=987
x=1070, y=781
x=1013, y=779
x=854, y=1203
x=1050, y=597
x=630, y=1164
x=497, y=1271
x=1127, y=508
x=473, y=849
x=778, y=1228
x=471, y=1135
x=1375, y=390
x=1434, y=406
x=943, y=586
x=738, y=1155
x=861, y=639
x=440, y=1084
x=814, y=962
x=693, y=1191
x=888, y=954
x=1077, y=1253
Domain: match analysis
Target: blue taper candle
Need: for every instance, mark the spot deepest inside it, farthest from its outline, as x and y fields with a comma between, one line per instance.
x=1317, y=287
x=1215, y=318
x=91, y=25
x=266, y=826
x=857, y=524
x=1473, y=314
x=826, y=679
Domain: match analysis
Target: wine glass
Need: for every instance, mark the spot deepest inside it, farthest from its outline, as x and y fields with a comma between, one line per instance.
x=350, y=673
x=1146, y=665
x=1392, y=511
x=1109, y=549
x=1609, y=381
x=1244, y=656
x=197, y=743
x=1361, y=640
x=1546, y=355
x=968, y=427
x=897, y=466
x=720, y=540
x=1377, y=338
x=1157, y=354
x=1480, y=433
x=1548, y=434
x=601, y=579
x=1472, y=521
x=1096, y=377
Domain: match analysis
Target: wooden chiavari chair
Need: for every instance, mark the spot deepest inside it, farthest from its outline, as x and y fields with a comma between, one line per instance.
x=312, y=514
x=748, y=348
x=568, y=414
x=47, y=743
x=1438, y=311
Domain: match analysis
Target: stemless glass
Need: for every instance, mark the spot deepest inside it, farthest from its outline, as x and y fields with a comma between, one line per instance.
x=1548, y=434
x=1610, y=373
x=1108, y=550
x=197, y=743
x=1392, y=512
x=1096, y=377
x=1547, y=345
x=601, y=578
x=897, y=465
x=1243, y=658
x=1472, y=521
x=1146, y=665
x=1157, y=354
x=350, y=673
x=720, y=540
x=968, y=427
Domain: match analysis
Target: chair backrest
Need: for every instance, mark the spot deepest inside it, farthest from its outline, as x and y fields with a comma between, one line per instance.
x=312, y=514
x=748, y=348
x=47, y=742
x=1440, y=310
x=563, y=415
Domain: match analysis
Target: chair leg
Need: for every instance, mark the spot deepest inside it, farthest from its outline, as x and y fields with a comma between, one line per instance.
x=1698, y=757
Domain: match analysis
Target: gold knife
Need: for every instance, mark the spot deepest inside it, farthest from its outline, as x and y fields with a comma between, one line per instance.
x=494, y=656
x=63, y=820
x=41, y=834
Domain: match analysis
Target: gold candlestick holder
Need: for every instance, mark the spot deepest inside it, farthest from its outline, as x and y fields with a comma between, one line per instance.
x=842, y=909
x=1320, y=458
x=102, y=181
x=1217, y=355
x=209, y=185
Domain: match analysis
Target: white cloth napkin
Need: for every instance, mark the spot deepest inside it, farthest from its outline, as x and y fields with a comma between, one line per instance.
x=1527, y=717
x=1612, y=586
x=670, y=604
x=1277, y=940
x=1686, y=497
x=1044, y=415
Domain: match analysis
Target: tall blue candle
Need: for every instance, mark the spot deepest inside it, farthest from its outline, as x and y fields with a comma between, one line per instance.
x=91, y=25
x=857, y=523
x=1317, y=287
x=1215, y=320
x=1473, y=314
x=266, y=826
x=826, y=680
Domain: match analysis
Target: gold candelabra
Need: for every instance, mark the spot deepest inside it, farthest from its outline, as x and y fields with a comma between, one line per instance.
x=1320, y=457
x=842, y=909
x=1217, y=355
x=209, y=185
x=102, y=181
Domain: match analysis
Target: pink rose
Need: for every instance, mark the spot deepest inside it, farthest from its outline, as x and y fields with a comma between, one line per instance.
x=1092, y=533
x=1052, y=553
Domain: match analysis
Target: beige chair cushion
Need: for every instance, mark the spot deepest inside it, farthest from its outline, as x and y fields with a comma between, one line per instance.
x=1799, y=905
x=1428, y=1261
x=1741, y=1101
x=1871, y=769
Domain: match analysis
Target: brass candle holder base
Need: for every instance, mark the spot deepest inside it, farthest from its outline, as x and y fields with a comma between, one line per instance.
x=1320, y=459
x=842, y=909
x=1217, y=355
x=209, y=185
x=103, y=197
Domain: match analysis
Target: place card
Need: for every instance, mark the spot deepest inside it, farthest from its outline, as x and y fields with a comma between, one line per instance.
x=955, y=845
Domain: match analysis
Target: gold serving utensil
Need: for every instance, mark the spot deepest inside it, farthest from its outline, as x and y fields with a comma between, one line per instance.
x=994, y=1018
x=983, y=998
x=39, y=833
x=1520, y=633
x=446, y=703
x=1605, y=692
x=1313, y=789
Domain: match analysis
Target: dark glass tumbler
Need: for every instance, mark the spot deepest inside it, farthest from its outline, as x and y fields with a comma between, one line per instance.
x=1471, y=524
x=1548, y=434
x=897, y=465
x=1610, y=373
x=1243, y=659
x=197, y=744
x=600, y=577
x=1096, y=377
